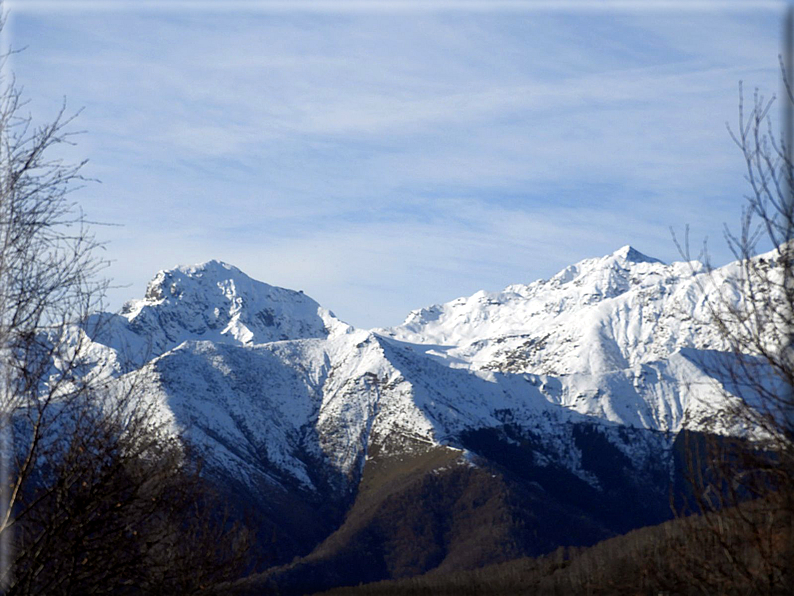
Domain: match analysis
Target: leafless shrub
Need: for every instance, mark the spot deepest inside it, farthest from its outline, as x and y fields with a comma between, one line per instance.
x=743, y=487
x=95, y=495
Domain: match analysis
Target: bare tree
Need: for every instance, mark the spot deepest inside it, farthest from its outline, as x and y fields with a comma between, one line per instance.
x=743, y=485
x=95, y=495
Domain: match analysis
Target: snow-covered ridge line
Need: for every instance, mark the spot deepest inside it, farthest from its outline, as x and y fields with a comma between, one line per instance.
x=215, y=301
x=273, y=387
x=595, y=316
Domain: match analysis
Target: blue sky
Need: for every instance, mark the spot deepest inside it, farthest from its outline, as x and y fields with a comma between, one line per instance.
x=386, y=156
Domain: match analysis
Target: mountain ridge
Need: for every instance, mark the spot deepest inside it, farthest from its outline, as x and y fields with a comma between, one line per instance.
x=605, y=361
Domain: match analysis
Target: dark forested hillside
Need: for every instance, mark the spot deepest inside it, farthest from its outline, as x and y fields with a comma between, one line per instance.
x=442, y=512
x=680, y=557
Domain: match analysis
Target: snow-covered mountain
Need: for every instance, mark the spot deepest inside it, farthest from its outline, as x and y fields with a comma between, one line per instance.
x=585, y=379
x=214, y=302
x=625, y=337
x=597, y=316
x=275, y=390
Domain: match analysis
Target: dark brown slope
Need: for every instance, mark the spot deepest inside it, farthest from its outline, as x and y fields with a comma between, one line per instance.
x=433, y=510
x=678, y=558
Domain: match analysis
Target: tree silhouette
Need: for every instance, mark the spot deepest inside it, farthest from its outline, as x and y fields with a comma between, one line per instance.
x=97, y=495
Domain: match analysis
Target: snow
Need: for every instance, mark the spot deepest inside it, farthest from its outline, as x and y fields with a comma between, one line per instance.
x=267, y=383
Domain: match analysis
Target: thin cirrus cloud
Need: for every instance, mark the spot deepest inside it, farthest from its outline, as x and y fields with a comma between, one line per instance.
x=381, y=160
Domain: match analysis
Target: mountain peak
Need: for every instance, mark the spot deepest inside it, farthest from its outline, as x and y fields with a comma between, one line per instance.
x=185, y=281
x=218, y=302
x=212, y=266
x=630, y=254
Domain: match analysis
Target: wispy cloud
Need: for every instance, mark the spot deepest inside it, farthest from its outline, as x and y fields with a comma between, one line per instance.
x=383, y=161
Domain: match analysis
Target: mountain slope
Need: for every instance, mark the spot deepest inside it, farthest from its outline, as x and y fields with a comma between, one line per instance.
x=595, y=316
x=567, y=392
